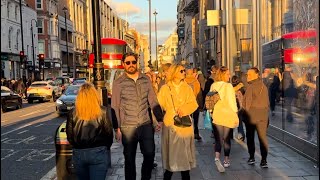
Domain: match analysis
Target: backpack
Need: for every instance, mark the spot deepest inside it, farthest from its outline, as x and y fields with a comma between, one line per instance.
x=211, y=99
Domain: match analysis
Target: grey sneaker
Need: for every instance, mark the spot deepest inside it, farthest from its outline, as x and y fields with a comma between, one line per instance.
x=219, y=165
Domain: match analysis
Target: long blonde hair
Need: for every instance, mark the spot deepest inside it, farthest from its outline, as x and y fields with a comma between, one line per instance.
x=88, y=101
x=172, y=71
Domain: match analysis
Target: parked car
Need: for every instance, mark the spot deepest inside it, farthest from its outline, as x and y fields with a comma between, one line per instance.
x=66, y=102
x=43, y=90
x=9, y=99
x=63, y=82
x=79, y=81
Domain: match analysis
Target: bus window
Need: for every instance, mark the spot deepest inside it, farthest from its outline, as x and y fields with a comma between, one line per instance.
x=113, y=49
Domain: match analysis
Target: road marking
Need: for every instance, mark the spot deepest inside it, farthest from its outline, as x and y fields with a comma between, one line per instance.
x=15, y=129
x=38, y=125
x=22, y=131
x=32, y=113
x=50, y=175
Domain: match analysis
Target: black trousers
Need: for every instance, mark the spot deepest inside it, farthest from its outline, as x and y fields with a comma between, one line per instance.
x=185, y=175
x=130, y=137
x=195, y=116
x=261, y=128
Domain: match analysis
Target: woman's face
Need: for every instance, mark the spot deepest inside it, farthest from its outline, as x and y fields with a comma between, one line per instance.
x=180, y=73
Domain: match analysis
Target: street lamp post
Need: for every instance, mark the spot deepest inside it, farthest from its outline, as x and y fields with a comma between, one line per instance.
x=33, y=58
x=67, y=44
x=22, y=43
x=155, y=25
x=150, y=64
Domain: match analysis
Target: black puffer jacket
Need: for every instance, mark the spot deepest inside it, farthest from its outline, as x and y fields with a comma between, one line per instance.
x=88, y=134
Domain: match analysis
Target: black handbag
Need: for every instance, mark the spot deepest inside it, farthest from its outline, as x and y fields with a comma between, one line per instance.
x=184, y=121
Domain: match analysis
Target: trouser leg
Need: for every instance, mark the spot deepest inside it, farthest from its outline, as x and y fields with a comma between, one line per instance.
x=185, y=175
x=226, y=141
x=130, y=142
x=195, y=116
x=263, y=140
x=147, y=146
x=167, y=175
x=250, y=130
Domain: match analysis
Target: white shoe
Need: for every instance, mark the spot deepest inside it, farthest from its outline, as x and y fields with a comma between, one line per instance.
x=226, y=164
x=219, y=165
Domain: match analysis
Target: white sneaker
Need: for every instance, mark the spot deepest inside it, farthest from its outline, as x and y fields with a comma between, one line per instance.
x=226, y=164
x=219, y=165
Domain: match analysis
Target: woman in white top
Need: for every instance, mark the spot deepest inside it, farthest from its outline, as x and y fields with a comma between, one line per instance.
x=221, y=127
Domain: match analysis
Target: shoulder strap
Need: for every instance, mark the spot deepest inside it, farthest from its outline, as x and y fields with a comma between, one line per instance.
x=172, y=98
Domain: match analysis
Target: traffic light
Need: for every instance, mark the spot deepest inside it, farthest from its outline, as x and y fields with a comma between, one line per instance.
x=41, y=59
x=21, y=57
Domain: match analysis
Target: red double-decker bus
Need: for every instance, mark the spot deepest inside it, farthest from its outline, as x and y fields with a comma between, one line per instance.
x=111, y=54
x=298, y=47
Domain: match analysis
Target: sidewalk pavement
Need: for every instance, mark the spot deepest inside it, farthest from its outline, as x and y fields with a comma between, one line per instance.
x=283, y=162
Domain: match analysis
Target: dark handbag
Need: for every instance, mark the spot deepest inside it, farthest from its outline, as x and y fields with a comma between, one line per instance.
x=184, y=121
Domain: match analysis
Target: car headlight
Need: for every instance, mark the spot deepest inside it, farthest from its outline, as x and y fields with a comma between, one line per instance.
x=59, y=101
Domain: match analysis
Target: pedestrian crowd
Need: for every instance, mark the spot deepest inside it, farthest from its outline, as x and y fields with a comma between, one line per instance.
x=171, y=102
x=19, y=86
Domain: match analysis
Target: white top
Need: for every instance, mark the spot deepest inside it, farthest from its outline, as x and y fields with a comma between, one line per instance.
x=226, y=92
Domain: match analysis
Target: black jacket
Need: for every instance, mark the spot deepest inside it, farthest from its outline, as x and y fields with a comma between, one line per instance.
x=88, y=134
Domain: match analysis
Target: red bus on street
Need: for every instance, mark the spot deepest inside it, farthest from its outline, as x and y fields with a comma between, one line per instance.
x=111, y=54
x=298, y=47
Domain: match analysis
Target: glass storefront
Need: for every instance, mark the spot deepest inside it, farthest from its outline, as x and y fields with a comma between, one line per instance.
x=289, y=52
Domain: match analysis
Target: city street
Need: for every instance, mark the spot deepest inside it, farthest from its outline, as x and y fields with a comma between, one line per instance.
x=27, y=141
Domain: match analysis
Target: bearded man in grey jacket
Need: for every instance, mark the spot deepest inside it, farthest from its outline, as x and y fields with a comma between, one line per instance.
x=256, y=106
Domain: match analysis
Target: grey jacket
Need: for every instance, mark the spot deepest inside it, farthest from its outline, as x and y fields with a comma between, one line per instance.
x=131, y=101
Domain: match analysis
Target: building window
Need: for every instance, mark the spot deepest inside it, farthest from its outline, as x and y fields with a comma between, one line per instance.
x=40, y=26
x=41, y=47
x=17, y=39
x=16, y=12
x=39, y=4
x=9, y=37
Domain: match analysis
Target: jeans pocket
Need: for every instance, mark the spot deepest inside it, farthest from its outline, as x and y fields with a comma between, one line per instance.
x=100, y=155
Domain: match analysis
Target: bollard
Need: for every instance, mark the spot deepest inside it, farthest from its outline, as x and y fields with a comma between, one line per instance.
x=64, y=165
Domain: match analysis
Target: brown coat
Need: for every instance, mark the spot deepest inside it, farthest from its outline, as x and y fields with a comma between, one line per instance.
x=256, y=102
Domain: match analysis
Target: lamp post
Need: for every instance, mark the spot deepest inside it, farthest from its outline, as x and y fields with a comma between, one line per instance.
x=150, y=64
x=33, y=58
x=22, y=43
x=67, y=44
x=155, y=25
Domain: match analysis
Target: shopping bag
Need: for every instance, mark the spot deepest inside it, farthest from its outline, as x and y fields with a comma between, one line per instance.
x=207, y=121
x=201, y=119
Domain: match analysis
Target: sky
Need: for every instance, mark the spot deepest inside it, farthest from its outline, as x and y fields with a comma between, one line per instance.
x=136, y=12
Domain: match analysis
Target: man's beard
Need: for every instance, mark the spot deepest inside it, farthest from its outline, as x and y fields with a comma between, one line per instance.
x=131, y=70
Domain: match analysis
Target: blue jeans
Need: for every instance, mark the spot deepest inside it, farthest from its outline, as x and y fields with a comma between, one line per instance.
x=91, y=163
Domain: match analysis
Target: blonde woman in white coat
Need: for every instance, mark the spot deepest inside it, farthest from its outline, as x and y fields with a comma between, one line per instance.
x=221, y=127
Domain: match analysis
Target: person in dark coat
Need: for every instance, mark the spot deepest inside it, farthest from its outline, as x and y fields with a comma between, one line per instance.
x=290, y=93
x=256, y=106
x=207, y=87
x=273, y=90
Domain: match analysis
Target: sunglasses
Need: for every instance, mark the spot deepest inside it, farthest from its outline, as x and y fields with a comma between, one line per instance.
x=130, y=62
x=182, y=70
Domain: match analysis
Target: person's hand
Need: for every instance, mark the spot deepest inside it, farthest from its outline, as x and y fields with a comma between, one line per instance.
x=179, y=112
x=159, y=126
x=118, y=135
